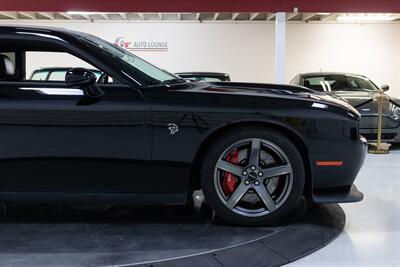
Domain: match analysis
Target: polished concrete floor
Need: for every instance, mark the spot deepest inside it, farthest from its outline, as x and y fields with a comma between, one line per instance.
x=372, y=232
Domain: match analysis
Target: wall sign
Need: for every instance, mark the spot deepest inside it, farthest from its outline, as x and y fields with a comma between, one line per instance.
x=142, y=45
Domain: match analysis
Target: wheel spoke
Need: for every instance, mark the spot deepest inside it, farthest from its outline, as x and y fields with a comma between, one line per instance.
x=277, y=171
x=229, y=167
x=255, y=152
x=266, y=198
x=237, y=196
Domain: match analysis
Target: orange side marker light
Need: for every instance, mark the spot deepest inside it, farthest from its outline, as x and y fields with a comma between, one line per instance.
x=330, y=163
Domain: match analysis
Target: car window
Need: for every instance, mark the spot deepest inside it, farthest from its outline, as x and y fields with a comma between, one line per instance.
x=40, y=75
x=339, y=83
x=315, y=83
x=56, y=63
x=58, y=75
x=152, y=74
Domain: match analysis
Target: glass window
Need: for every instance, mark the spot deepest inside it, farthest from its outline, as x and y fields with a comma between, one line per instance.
x=55, y=63
x=39, y=75
x=339, y=83
x=152, y=74
x=57, y=75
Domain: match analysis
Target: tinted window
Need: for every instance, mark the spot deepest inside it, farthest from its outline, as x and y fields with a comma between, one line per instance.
x=58, y=75
x=153, y=74
x=339, y=83
x=39, y=75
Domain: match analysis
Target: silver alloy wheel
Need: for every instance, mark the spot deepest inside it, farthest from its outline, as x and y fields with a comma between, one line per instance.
x=265, y=171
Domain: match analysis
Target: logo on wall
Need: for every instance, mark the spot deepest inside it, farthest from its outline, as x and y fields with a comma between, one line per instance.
x=141, y=45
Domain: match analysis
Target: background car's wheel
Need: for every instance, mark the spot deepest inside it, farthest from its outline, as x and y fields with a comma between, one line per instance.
x=252, y=176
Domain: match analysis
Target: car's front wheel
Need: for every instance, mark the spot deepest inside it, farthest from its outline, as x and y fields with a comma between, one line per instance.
x=253, y=176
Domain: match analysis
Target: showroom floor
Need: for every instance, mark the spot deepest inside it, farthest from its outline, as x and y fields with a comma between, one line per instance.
x=372, y=232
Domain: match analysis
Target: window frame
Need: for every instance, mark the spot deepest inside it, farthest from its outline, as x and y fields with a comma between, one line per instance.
x=63, y=46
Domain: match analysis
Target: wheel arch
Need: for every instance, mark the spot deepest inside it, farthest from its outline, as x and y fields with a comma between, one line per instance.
x=297, y=140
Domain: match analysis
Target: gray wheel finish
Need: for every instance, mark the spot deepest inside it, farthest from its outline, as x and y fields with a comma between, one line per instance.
x=271, y=184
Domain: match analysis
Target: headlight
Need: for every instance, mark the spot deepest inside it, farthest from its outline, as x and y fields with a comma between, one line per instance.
x=396, y=113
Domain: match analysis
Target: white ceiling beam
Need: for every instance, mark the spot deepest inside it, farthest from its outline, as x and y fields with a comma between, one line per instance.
x=291, y=16
x=11, y=15
x=216, y=16
x=104, y=16
x=329, y=17
x=26, y=15
x=235, y=15
x=254, y=15
x=198, y=16
x=47, y=15
x=63, y=15
x=123, y=16
x=271, y=16
x=308, y=16
x=141, y=15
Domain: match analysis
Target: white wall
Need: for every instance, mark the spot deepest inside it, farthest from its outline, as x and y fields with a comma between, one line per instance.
x=246, y=50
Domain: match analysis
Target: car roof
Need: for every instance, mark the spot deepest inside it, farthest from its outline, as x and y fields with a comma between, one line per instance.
x=329, y=73
x=60, y=68
x=37, y=29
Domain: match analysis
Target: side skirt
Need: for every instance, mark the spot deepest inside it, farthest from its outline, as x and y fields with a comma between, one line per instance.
x=114, y=198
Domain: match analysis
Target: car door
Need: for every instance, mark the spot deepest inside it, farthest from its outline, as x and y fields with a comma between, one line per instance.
x=48, y=143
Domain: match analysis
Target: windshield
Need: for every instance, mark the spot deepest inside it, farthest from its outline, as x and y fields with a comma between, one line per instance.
x=330, y=83
x=150, y=73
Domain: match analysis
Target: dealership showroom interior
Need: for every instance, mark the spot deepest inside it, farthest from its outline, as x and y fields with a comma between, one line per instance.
x=199, y=133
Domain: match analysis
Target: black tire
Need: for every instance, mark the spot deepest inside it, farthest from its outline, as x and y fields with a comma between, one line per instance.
x=220, y=145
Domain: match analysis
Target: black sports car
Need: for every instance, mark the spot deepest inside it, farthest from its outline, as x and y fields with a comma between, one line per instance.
x=205, y=76
x=358, y=90
x=150, y=137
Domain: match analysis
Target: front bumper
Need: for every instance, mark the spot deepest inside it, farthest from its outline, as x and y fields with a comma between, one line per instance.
x=335, y=184
x=352, y=195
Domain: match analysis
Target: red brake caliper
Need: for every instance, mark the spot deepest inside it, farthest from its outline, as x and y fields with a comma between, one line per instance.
x=229, y=183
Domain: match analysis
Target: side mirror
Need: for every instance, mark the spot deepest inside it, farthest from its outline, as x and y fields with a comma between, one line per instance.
x=79, y=77
x=87, y=80
x=385, y=88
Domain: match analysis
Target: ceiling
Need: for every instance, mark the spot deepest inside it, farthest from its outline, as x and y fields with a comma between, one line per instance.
x=163, y=6
x=130, y=16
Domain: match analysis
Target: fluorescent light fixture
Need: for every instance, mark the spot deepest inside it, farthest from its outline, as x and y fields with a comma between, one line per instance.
x=323, y=13
x=84, y=13
x=366, y=17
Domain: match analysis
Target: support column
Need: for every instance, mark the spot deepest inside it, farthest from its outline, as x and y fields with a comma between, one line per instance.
x=280, y=47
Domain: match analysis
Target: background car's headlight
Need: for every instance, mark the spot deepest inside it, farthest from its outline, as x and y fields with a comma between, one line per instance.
x=396, y=113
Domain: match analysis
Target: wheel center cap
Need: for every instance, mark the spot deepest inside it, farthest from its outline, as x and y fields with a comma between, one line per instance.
x=253, y=176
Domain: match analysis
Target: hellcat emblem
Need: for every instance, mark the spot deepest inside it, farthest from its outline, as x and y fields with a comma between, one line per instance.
x=173, y=128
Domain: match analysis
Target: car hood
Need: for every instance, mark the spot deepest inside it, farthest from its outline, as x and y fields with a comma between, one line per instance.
x=361, y=100
x=267, y=90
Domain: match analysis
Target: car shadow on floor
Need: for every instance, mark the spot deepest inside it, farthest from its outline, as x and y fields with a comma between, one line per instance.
x=95, y=213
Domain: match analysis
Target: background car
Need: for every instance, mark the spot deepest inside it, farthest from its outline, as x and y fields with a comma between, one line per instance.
x=358, y=90
x=205, y=76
